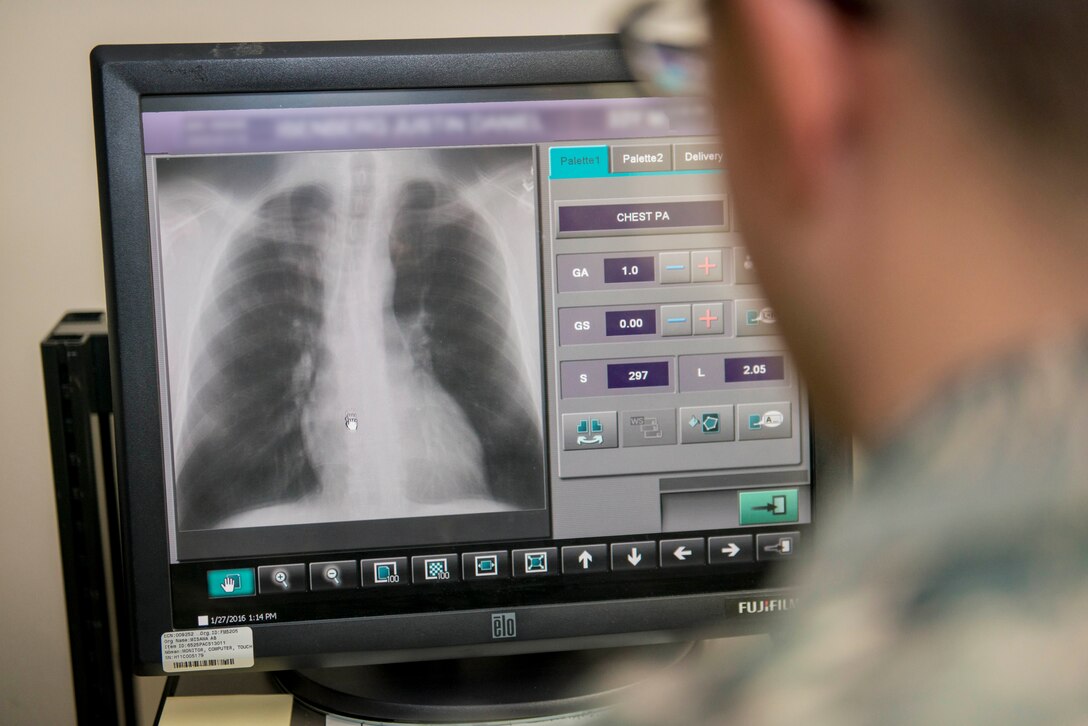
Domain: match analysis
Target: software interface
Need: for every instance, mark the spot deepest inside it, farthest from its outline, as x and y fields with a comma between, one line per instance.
x=415, y=340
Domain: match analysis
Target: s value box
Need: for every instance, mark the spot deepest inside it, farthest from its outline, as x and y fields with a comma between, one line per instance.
x=617, y=377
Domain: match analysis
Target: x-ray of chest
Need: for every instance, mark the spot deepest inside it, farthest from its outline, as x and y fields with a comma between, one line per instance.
x=351, y=335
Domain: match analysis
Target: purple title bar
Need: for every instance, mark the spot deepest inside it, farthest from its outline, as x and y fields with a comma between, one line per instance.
x=653, y=215
x=402, y=126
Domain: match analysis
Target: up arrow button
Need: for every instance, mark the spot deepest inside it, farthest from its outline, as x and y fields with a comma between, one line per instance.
x=585, y=559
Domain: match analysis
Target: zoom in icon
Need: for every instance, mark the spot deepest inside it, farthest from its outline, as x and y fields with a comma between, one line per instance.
x=281, y=579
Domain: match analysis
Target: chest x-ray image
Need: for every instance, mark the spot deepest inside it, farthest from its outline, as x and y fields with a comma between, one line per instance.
x=351, y=335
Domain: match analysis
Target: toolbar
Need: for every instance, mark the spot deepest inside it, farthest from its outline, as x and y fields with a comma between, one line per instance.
x=600, y=558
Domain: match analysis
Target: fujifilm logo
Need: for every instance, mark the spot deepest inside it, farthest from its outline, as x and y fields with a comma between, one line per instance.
x=769, y=605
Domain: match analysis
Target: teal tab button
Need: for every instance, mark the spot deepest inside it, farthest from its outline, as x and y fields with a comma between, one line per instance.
x=238, y=582
x=578, y=162
x=769, y=506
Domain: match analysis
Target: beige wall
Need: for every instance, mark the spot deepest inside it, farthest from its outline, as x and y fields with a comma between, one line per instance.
x=50, y=253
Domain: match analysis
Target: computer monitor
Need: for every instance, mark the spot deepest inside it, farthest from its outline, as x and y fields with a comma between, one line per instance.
x=436, y=348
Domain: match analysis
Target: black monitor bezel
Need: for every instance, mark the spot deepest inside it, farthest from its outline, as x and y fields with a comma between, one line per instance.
x=121, y=77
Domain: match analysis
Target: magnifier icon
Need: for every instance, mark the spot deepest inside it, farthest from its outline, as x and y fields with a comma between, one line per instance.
x=333, y=575
x=280, y=577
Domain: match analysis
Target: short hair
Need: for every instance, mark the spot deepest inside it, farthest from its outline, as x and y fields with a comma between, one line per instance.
x=1023, y=63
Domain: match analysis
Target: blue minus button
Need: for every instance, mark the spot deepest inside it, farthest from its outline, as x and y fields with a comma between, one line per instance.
x=578, y=162
x=238, y=582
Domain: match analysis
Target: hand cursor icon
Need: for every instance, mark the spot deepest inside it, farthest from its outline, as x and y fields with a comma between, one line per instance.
x=229, y=583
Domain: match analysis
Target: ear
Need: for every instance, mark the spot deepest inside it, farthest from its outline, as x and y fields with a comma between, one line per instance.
x=786, y=67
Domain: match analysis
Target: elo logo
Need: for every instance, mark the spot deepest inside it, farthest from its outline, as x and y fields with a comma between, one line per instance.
x=504, y=625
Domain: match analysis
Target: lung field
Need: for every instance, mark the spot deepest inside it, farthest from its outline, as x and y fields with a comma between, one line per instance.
x=450, y=297
x=258, y=365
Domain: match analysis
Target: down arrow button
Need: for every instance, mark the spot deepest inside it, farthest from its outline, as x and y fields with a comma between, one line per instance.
x=634, y=556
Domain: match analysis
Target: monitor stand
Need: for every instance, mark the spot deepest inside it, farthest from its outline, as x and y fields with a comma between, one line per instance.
x=502, y=689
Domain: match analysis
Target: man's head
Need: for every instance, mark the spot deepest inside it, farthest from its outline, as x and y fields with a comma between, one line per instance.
x=908, y=175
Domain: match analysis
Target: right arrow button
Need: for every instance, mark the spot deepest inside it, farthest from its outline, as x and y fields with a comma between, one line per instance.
x=730, y=550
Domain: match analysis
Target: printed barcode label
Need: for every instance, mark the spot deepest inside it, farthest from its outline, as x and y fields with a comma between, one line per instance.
x=203, y=663
x=207, y=649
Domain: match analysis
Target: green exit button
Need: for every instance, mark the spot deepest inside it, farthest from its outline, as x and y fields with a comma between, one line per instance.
x=769, y=506
x=231, y=583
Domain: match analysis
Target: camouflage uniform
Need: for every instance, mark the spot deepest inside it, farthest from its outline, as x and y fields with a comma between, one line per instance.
x=953, y=589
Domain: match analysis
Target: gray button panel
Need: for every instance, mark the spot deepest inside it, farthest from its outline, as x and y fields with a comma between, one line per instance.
x=695, y=269
x=760, y=421
x=706, y=424
x=650, y=157
x=590, y=431
x=649, y=428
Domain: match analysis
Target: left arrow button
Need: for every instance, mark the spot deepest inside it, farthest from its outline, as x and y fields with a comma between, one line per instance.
x=683, y=552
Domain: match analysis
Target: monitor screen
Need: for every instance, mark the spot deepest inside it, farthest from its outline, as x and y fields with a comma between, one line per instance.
x=477, y=351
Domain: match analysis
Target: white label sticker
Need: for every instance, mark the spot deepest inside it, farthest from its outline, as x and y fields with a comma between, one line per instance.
x=207, y=649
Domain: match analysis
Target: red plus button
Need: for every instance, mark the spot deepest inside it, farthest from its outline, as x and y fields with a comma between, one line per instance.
x=706, y=266
x=711, y=317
